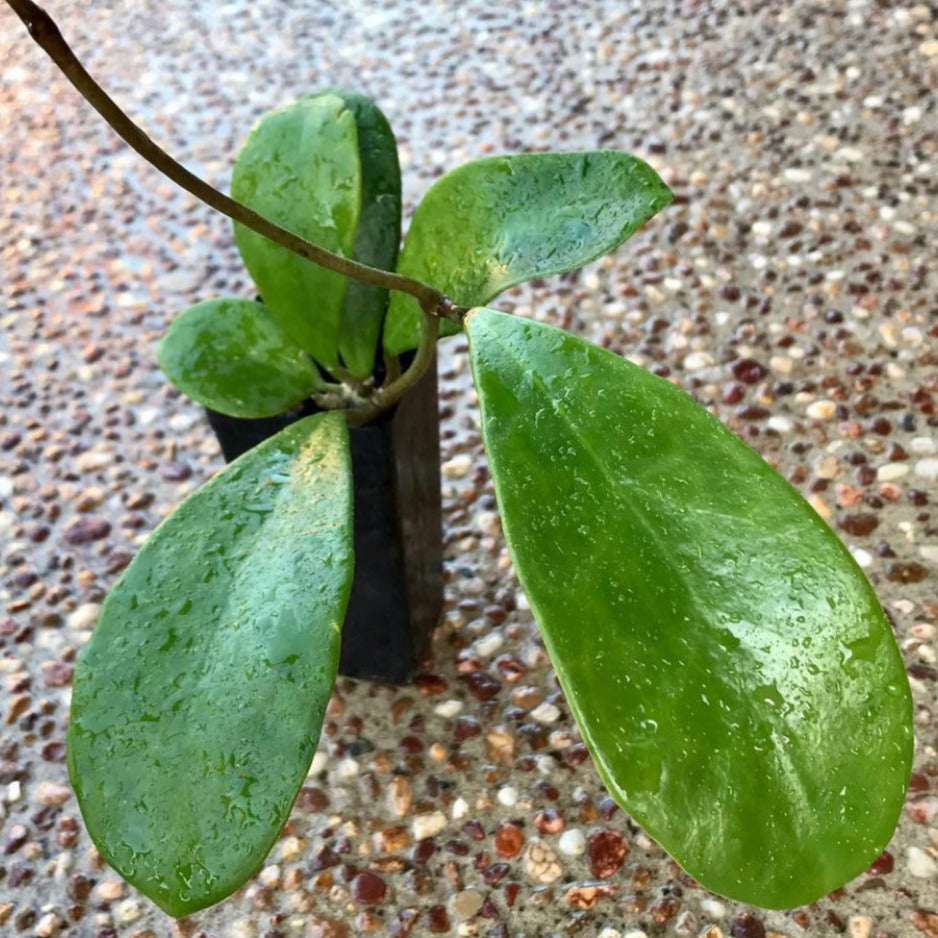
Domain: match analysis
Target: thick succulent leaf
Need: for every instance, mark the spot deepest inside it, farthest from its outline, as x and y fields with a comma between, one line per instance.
x=495, y=222
x=198, y=702
x=299, y=167
x=232, y=355
x=378, y=238
x=728, y=664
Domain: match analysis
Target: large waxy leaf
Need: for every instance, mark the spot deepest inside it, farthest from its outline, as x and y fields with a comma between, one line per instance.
x=495, y=222
x=300, y=168
x=199, y=700
x=378, y=238
x=728, y=664
x=232, y=355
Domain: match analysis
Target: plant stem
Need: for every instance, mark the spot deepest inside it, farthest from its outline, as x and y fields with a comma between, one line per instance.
x=389, y=394
x=44, y=31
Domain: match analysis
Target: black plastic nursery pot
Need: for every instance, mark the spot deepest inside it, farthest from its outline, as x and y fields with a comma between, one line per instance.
x=397, y=590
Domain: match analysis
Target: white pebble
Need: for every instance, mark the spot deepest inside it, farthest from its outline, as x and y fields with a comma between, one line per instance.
x=859, y=926
x=84, y=617
x=920, y=864
x=508, y=796
x=609, y=932
x=545, y=713
x=92, y=461
x=457, y=466
x=319, y=764
x=927, y=468
x=892, y=471
x=346, y=769
x=929, y=552
x=821, y=410
x=488, y=644
x=459, y=809
x=448, y=709
x=923, y=445
x=50, y=924
x=14, y=792
x=713, y=908
x=779, y=423
x=863, y=557
x=572, y=842
x=697, y=360
x=428, y=825
x=127, y=911
x=6, y=487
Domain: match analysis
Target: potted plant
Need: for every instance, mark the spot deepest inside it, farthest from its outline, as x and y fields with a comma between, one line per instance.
x=730, y=668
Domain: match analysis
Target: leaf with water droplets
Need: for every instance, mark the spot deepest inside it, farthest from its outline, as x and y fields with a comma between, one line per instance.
x=232, y=355
x=198, y=702
x=378, y=237
x=495, y=222
x=727, y=662
x=300, y=168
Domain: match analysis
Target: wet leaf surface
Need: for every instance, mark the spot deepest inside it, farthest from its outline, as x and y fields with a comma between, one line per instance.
x=232, y=355
x=728, y=664
x=495, y=222
x=300, y=168
x=198, y=701
x=378, y=237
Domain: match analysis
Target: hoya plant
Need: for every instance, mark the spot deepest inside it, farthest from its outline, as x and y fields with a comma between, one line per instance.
x=729, y=667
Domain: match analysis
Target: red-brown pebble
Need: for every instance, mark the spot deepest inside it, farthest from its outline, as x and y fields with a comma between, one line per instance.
x=925, y=921
x=85, y=529
x=369, y=889
x=606, y=849
x=745, y=925
x=508, y=839
x=437, y=921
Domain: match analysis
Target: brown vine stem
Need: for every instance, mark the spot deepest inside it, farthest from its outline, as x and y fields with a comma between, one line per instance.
x=44, y=31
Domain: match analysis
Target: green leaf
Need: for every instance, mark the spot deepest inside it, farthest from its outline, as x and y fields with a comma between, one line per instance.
x=232, y=355
x=728, y=664
x=300, y=168
x=492, y=223
x=198, y=701
x=378, y=238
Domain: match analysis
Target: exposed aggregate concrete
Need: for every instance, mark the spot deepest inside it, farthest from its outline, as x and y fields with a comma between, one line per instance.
x=792, y=288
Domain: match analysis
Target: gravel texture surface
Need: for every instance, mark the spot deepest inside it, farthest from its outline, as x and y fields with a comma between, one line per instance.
x=792, y=288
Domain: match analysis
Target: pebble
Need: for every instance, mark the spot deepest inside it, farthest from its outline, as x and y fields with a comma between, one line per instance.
x=465, y=904
x=428, y=825
x=606, y=850
x=50, y=924
x=927, y=469
x=920, y=864
x=448, y=708
x=572, y=842
x=859, y=926
x=540, y=863
x=457, y=467
x=545, y=713
x=84, y=616
x=92, y=461
x=127, y=911
x=85, y=529
x=892, y=472
x=53, y=794
x=508, y=796
x=926, y=921
x=821, y=410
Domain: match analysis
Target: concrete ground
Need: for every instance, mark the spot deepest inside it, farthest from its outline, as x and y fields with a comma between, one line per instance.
x=792, y=288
